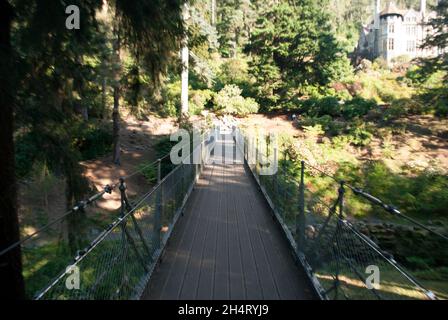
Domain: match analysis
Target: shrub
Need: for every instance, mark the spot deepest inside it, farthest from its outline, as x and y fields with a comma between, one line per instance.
x=171, y=94
x=315, y=107
x=380, y=64
x=94, y=140
x=230, y=101
x=357, y=107
x=401, y=59
x=330, y=126
x=313, y=131
x=414, y=76
x=149, y=171
x=199, y=100
x=360, y=137
x=234, y=71
x=422, y=193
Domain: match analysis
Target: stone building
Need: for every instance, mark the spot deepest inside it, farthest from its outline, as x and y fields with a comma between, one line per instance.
x=396, y=32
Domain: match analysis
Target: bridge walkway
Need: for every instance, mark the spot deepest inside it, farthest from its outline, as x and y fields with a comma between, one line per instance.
x=227, y=245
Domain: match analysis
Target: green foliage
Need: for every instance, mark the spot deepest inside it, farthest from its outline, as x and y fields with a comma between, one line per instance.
x=438, y=39
x=235, y=18
x=230, y=101
x=383, y=87
x=236, y=71
x=93, y=141
x=357, y=107
x=199, y=100
x=313, y=131
x=149, y=171
x=422, y=194
x=171, y=93
x=333, y=107
x=319, y=107
x=327, y=123
x=360, y=137
x=162, y=148
x=293, y=46
x=25, y=151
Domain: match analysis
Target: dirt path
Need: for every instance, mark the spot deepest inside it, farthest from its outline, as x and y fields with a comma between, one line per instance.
x=37, y=207
x=137, y=144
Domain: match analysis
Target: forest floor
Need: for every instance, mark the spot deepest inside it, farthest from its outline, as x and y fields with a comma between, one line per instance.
x=138, y=137
x=422, y=141
x=137, y=146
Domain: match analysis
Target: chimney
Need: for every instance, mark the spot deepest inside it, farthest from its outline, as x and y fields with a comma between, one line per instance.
x=423, y=7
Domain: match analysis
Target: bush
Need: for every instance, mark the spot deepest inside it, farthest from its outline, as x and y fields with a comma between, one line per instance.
x=332, y=107
x=199, y=100
x=234, y=71
x=315, y=107
x=403, y=59
x=171, y=94
x=94, y=141
x=360, y=137
x=230, y=101
x=357, y=107
x=331, y=127
x=149, y=171
x=422, y=193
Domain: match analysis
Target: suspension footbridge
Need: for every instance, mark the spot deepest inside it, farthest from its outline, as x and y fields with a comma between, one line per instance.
x=220, y=228
x=227, y=245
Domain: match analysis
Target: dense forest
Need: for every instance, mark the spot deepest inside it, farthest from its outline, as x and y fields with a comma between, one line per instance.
x=66, y=94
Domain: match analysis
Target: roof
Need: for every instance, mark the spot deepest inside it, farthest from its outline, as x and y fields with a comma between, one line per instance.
x=391, y=9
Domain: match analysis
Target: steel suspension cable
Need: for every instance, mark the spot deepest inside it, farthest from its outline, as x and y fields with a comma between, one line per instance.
x=389, y=208
x=83, y=204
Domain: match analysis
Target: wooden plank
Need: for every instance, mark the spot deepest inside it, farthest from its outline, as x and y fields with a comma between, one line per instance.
x=227, y=246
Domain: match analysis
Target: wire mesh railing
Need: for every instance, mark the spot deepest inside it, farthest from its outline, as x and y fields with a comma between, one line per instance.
x=106, y=246
x=343, y=263
x=119, y=262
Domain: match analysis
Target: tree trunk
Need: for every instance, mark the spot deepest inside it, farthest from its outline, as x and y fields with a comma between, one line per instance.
x=213, y=12
x=76, y=187
x=85, y=113
x=116, y=111
x=11, y=280
x=184, y=76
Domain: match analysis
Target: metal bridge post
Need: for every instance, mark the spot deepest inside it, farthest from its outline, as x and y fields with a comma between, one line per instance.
x=275, y=175
x=158, y=213
x=341, y=192
x=300, y=222
x=256, y=156
x=123, y=198
x=126, y=236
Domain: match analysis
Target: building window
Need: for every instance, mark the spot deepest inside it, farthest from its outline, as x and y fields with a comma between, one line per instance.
x=391, y=44
x=391, y=28
x=411, y=30
x=410, y=46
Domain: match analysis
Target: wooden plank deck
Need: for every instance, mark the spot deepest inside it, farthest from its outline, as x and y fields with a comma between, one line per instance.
x=227, y=245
